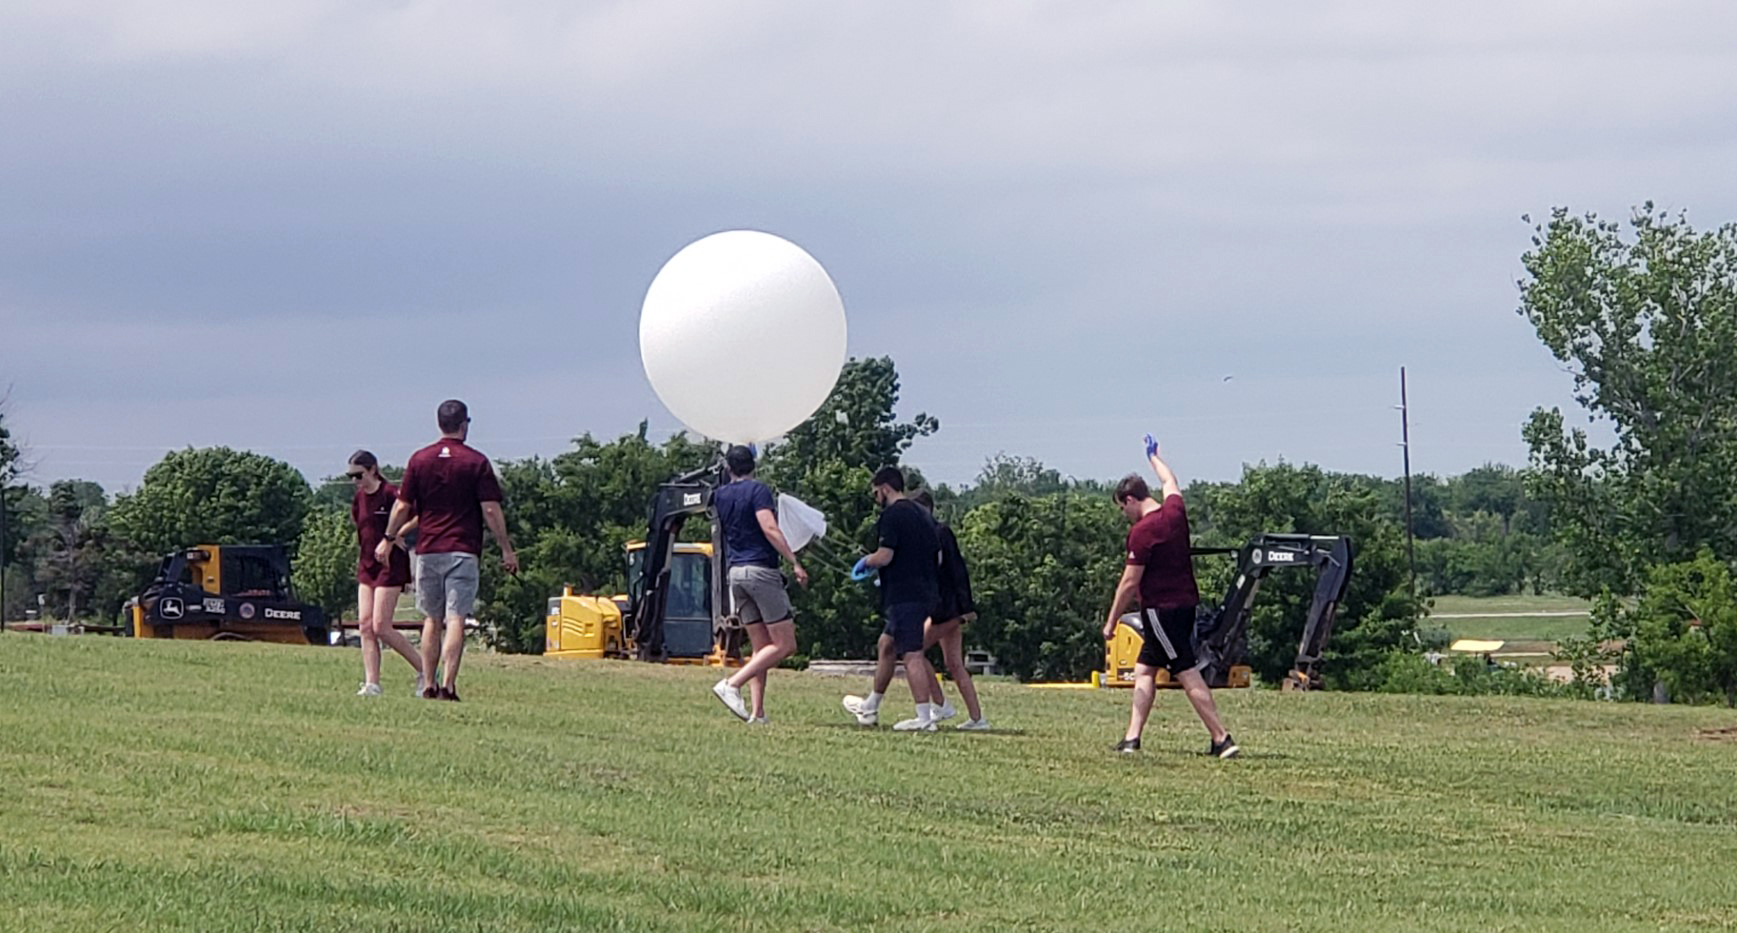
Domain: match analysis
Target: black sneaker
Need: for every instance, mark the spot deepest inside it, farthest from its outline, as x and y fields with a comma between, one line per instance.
x=431, y=692
x=447, y=693
x=1225, y=749
x=1128, y=746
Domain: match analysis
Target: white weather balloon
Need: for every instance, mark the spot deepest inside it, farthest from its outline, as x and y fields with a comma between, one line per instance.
x=742, y=335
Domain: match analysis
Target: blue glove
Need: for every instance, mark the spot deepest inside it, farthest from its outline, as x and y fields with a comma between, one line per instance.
x=1151, y=446
x=862, y=571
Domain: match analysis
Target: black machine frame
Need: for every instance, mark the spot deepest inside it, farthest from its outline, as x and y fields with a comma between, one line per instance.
x=1221, y=632
x=675, y=502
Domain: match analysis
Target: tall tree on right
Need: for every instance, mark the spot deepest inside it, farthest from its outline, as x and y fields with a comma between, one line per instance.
x=1645, y=320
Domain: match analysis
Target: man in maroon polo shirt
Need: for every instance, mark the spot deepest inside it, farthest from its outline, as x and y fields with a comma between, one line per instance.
x=451, y=490
x=1160, y=571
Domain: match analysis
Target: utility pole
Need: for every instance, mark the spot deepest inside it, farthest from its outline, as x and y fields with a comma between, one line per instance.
x=1405, y=446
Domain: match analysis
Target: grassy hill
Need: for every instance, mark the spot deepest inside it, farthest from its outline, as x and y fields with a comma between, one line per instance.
x=202, y=785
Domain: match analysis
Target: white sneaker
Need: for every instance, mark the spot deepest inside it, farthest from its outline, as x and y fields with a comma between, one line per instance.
x=759, y=721
x=853, y=704
x=945, y=711
x=731, y=697
x=973, y=725
x=915, y=725
x=369, y=690
x=421, y=685
x=868, y=717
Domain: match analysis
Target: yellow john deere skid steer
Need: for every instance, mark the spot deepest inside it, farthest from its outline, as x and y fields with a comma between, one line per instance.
x=227, y=591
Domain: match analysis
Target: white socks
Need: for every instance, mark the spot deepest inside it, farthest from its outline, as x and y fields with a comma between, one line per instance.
x=873, y=702
x=926, y=712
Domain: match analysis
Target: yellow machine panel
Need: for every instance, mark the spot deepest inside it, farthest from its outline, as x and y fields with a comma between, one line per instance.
x=1122, y=652
x=586, y=628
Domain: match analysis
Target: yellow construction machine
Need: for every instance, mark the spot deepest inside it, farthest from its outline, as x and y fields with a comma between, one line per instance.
x=239, y=592
x=674, y=610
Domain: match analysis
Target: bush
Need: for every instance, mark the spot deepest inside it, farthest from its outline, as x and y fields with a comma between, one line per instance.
x=1467, y=675
x=1682, y=634
x=1408, y=672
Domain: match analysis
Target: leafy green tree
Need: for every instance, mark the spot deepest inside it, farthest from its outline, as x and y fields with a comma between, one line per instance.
x=1647, y=326
x=1043, y=571
x=214, y=495
x=1004, y=475
x=27, y=520
x=68, y=553
x=1682, y=633
x=856, y=425
x=324, y=570
x=1494, y=489
x=11, y=514
x=571, y=518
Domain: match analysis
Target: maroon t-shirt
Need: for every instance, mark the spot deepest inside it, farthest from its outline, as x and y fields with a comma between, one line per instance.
x=370, y=512
x=445, y=485
x=1159, y=543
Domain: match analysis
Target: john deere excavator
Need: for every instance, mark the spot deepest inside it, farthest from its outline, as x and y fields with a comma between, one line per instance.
x=674, y=610
x=230, y=591
x=1221, y=632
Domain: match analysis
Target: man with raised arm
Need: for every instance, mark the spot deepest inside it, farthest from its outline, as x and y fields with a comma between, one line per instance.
x=1160, y=574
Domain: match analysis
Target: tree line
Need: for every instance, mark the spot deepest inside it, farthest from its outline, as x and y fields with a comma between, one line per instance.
x=1045, y=550
x=1643, y=315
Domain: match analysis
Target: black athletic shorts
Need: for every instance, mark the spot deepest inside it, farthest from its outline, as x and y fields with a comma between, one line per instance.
x=1169, y=640
x=905, y=625
x=951, y=607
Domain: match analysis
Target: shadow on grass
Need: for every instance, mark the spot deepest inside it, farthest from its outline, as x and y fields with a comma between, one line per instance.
x=1174, y=752
x=944, y=730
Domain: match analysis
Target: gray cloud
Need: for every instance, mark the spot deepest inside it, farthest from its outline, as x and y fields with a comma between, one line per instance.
x=298, y=226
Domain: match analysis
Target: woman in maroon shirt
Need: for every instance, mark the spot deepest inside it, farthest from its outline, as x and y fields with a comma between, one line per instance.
x=378, y=583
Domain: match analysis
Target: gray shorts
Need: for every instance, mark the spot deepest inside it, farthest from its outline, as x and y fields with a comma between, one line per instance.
x=446, y=585
x=758, y=595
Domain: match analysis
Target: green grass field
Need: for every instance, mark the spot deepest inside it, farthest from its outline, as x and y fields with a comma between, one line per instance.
x=202, y=785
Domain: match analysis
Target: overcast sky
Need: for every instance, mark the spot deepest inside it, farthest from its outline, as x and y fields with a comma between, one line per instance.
x=296, y=227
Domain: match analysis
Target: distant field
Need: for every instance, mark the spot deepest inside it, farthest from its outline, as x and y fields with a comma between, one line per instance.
x=1503, y=618
x=1485, y=604
x=191, y=785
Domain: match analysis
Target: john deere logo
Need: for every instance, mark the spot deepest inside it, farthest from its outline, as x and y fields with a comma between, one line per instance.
x=171, y=608
x=247, y=610
x=1258, y=556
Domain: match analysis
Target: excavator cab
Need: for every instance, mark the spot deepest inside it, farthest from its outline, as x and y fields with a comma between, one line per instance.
x=675, y=610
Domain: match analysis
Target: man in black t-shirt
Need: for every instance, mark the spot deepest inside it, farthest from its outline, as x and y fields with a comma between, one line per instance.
x=945, y=628
x=908, y=559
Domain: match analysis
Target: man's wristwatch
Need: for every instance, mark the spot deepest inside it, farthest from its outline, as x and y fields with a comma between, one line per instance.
x=390, y=537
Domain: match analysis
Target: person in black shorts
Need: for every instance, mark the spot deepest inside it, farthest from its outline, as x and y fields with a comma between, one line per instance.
x=908, y=560
x=1160, y=572
x=944, y=628
x=946, y=624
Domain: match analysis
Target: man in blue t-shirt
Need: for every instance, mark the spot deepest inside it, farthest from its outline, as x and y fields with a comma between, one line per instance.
x=752, y=543
x=908, y=559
